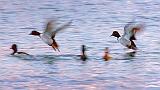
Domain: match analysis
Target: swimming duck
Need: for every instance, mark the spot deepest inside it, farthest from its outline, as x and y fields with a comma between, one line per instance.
x=106, y=55
x=15, y=50
x=83, y=54
x=129, y=35
x=48, y=36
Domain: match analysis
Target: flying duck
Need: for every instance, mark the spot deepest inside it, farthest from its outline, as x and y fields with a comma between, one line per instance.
x=15, y=50
x=48, y=35
x=127, y=38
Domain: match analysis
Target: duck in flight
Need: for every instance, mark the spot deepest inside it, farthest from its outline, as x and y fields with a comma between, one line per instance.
x=48, y=35
x=127, y=39
x=15, y=50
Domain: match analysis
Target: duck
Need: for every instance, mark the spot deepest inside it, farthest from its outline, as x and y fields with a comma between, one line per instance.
x=106, y=56
x=127, y=39
x=48, y=35
x=83, y=55
x=15, y=50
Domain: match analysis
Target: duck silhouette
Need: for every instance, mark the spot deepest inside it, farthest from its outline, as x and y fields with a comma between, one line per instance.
x=83, y=55
x=15, y=50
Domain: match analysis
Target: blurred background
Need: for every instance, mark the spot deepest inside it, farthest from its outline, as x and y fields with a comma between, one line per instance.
x=92, y=25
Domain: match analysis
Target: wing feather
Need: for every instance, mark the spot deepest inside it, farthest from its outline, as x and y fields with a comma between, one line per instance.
x=49, y=26
x=131, y=29
x=60, y=29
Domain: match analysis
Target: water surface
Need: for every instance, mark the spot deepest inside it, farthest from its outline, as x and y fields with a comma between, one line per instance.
x=92, y=25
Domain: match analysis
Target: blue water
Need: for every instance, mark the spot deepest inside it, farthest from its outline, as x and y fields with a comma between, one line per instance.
x=92, y=25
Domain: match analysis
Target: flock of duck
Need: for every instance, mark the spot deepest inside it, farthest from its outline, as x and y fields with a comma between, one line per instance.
x=48, y=36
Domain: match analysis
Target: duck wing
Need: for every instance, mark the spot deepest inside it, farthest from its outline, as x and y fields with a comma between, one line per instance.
x=60, y=28
x=131, y=29
x=49, y=26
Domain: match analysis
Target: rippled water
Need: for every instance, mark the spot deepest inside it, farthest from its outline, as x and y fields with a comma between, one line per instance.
x=93, y=23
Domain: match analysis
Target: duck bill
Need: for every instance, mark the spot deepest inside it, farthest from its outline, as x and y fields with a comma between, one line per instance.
x=111, y=35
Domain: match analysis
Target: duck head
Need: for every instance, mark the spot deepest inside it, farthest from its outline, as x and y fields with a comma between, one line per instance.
x=116, y=34
x=14, y=48
x=35, y=33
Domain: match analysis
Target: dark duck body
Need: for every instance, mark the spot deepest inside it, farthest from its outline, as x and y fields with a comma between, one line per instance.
x=15, y=50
